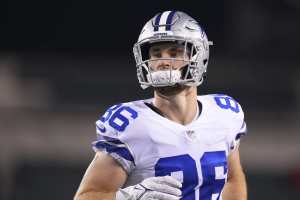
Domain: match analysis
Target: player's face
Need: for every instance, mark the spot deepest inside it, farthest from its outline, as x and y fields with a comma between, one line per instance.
x=166, y=56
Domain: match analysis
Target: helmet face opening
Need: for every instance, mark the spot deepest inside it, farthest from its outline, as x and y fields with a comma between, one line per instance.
x=157, y=70
x=148, y=49
x=175, y=53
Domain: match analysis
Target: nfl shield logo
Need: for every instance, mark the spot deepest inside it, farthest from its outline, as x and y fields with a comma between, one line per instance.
x=191, y=134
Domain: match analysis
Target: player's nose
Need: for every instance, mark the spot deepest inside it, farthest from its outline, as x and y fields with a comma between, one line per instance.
x=165, y=62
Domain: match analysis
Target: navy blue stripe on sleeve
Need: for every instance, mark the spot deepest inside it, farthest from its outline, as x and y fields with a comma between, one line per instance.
x=242, y=132
x=111, y=147
x=113, y=140
x=109, y=139
x=239, y=135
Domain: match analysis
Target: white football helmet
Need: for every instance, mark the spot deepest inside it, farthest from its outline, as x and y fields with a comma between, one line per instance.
x=177, y=27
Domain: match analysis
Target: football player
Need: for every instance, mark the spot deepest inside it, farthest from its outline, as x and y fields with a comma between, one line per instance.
x=176, y=145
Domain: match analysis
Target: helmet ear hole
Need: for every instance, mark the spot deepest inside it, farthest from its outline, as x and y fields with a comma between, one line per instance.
x=204, y=76
x=205, y=61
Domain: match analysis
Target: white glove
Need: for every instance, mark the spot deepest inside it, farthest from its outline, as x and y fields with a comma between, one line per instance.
x=153, y=188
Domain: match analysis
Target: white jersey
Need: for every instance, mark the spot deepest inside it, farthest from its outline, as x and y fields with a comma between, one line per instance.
x=147, y=144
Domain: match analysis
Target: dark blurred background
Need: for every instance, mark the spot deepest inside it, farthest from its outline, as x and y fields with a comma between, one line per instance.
x=62, y=63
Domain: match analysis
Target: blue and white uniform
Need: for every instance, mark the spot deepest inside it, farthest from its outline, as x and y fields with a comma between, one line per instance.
x=147, y=144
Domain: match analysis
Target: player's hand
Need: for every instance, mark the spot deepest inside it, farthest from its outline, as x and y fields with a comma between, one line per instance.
x=153, y=188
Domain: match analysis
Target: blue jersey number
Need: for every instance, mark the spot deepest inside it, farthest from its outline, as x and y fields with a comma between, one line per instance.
x=226, y=102
x=213, y=167
x=116, y=119
x=184, y=164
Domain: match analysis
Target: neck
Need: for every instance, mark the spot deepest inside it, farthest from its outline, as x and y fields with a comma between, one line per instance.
x=179, y=105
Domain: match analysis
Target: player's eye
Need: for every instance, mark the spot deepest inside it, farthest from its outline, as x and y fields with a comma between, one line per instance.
x=176, y=52
x=155, y=52
x=155, y=55
x=173, y=52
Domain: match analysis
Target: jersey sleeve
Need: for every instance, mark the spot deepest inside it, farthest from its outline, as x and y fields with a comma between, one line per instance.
x=239, y=129
x=230, y=115
x=113, y=135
